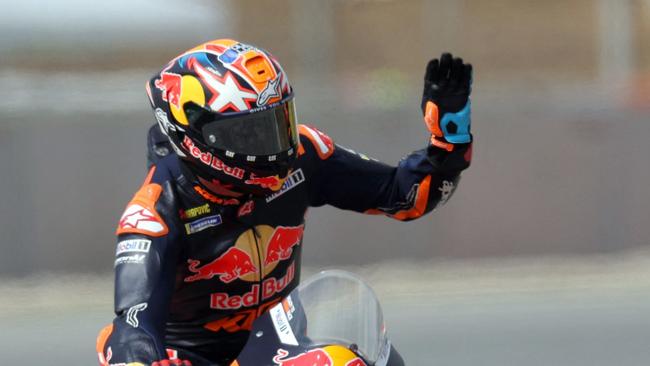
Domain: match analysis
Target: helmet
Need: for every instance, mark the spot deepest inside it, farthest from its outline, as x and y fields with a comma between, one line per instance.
x=227, y=109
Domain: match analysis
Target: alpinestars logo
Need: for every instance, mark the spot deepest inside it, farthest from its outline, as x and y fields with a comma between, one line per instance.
x=272, y=90
x=132, y=314
x=138, y=217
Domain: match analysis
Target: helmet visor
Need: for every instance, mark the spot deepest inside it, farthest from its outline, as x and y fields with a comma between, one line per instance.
x=266, y=132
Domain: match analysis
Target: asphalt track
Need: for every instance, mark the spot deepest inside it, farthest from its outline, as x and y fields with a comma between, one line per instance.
x=548, y=311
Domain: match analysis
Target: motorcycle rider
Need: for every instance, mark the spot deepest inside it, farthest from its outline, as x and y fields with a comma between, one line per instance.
x=213, y=237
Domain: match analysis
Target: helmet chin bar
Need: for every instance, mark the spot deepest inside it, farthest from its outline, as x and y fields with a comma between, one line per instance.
x=259, y=181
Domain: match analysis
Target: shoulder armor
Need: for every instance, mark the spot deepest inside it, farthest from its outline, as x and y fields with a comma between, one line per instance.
x=322, y=143
x=140, y=215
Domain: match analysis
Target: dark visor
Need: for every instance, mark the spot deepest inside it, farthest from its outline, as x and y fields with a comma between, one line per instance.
x=261, y=133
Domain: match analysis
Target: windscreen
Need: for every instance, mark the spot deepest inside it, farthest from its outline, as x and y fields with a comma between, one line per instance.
x=340, y=308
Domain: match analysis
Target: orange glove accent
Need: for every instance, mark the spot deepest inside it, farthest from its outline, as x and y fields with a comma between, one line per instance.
x=432, y=121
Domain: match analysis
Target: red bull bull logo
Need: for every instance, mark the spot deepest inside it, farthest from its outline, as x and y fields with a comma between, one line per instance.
x=315, y=357
x=272, y=182
x=280, y=246
x=248, y=260
x=231, y=265
x=170, y=85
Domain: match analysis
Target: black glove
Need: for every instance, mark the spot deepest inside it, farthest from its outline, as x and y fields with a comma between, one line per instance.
x=445, y=101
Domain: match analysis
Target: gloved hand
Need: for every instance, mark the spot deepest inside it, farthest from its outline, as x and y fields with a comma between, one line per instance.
x=445, y=101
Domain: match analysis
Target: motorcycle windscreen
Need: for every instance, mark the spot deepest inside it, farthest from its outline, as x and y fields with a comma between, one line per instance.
x=339, y=308
x=261, y=133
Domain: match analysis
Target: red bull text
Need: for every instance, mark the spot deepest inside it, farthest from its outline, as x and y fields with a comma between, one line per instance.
x=270, y=287
x=211, y=160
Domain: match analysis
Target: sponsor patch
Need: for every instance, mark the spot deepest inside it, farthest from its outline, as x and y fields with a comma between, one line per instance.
x=295, y=178
x=240, y=320
x=130, y=259
x=270, y=286
x=210, y=160
x=282, y=326
x=288, y=306
x=191, y=213
x=202, y=224
x=133, y=245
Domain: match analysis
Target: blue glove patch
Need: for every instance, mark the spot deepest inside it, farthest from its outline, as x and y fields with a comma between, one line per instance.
x=455, y=126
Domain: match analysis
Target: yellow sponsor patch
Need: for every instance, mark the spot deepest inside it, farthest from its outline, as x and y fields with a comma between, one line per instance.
x=197, y=211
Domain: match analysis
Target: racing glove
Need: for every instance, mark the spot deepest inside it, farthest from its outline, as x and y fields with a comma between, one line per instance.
x=445, y=101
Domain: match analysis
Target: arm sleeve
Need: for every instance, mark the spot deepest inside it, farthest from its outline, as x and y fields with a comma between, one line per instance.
x=421, y=181
x=146, y=258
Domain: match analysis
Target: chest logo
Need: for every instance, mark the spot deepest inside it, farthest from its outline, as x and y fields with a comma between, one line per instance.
x=229, y=266
x=255, y=254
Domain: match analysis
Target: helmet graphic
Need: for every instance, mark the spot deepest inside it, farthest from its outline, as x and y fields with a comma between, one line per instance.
x=227, y=109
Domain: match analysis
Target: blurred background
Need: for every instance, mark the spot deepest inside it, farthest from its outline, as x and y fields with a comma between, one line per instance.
x=540, y=258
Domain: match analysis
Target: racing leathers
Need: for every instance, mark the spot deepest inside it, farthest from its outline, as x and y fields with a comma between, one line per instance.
x=193, y=270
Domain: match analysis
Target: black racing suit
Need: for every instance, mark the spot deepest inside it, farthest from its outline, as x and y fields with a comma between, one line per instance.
x=194, y=270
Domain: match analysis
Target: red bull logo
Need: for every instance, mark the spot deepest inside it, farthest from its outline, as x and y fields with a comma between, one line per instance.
x=272, y=182
x=280, y=246
x=171, y=87
x=315, y=357
x=231, y=265
x=270, y=286
x=248, y=261
x=210, y=160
